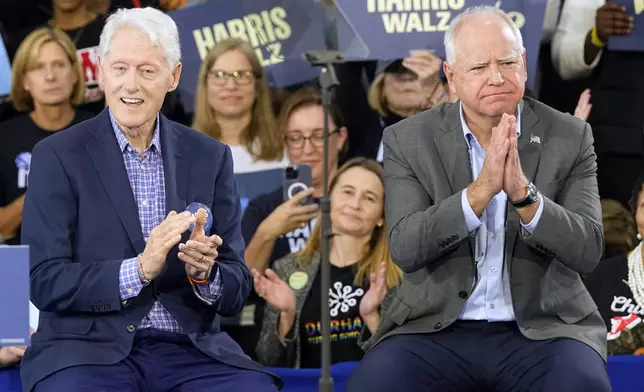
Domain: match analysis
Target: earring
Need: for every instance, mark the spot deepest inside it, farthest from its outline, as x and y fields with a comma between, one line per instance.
x=639, y=236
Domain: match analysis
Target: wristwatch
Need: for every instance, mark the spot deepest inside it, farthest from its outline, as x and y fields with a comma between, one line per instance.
x=531, y=197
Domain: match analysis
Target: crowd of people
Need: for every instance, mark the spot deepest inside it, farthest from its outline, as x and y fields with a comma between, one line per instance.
x=56, y=84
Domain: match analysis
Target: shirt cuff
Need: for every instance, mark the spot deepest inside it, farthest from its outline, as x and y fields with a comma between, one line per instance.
x=209, y=293
x=472, y=221
x=129, y=282
x=529, y=227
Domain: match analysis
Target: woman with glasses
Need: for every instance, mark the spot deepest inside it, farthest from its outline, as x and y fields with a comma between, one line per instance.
x=273, y=227
x=233, y=106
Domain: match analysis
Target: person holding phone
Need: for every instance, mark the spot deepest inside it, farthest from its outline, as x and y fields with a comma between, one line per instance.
x=274, y=226
x=362, y=272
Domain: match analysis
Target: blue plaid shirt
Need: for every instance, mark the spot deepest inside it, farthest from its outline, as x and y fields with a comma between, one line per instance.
x=146, y=175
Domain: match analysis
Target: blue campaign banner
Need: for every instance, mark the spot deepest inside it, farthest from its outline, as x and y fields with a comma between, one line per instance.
x=281, y=31
x=633, y=42
x=14, y=295
x=389, y=29
x=5, y=71
x=253, y=184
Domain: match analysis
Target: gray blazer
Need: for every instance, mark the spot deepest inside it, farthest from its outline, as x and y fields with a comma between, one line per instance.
x=272, y=350
x=427, y=166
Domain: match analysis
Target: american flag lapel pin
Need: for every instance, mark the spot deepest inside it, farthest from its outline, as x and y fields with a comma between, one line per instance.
x=535, y=139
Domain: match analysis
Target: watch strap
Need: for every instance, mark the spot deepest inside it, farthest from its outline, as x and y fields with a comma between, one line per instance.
x=530, y=198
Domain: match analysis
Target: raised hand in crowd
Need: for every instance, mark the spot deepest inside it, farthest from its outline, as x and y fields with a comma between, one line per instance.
x=371, y=300
x=426, y=65
x=162, y=239
x=200, y=252
x=612, y=20
x=491, y=180
x=289, y=215
x=277, y=293
x=582, y=111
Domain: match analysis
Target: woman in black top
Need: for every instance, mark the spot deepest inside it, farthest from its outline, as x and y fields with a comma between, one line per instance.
x=47, y=83
x=617, y=284
x=361, y=274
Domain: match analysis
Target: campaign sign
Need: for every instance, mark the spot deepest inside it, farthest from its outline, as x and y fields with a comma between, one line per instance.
x=253, y=184
x=633, y=42
x=389, y=29
x=5, y=71
x=14, y=295
x=281, y=31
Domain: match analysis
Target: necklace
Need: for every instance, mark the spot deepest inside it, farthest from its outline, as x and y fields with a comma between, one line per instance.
x=636, y=275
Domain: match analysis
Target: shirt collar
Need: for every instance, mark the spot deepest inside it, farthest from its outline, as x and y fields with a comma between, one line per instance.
x=466, y=130
x=124, y=143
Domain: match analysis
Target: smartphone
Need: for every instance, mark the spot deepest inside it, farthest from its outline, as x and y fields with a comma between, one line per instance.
x=297, y=178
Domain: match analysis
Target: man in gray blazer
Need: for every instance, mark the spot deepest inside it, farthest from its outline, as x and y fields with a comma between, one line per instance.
x=493, y=214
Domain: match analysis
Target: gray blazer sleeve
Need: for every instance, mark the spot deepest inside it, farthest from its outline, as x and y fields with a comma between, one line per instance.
x=571, y=228
x=273, y=350
x=416, y=224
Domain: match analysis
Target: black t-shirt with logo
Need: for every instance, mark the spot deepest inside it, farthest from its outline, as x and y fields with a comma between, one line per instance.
x=18, y=137
x=346, y=324
x=623, y=316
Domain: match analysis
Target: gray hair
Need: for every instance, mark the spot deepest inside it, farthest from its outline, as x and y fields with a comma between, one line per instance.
x=156, y=25
x=476, y=11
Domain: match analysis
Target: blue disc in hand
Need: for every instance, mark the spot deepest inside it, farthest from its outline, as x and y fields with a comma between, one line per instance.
x=193, y=208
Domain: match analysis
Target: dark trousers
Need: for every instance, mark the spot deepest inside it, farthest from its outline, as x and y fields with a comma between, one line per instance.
x=478, y=356
x=159, y=362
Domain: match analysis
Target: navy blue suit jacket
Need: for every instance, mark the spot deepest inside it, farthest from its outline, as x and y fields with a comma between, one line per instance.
x=80, y=221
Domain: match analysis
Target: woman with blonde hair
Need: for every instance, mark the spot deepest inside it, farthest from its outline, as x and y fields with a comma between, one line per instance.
x=362, y=272
x=47, y=82
x=233, y=105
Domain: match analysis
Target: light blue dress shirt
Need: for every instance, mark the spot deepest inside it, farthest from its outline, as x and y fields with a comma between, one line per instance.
x=491, y=298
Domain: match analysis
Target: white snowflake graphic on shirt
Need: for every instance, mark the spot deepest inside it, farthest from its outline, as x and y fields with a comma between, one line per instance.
x=342, y=298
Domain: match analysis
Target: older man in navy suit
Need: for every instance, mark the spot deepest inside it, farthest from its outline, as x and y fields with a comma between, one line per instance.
x=131, y=286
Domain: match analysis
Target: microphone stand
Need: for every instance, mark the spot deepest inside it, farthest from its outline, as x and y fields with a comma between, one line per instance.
x=328, y=81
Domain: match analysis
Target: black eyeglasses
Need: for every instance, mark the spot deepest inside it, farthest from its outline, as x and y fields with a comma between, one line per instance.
x=297, y=140
x=220, y=78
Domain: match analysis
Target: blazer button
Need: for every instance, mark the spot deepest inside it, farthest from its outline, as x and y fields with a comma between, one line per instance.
x=131, y=328
x=438, y=325
x=462, y=294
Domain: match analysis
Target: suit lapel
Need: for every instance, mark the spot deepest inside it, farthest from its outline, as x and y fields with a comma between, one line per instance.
x=529, y=144
x=175, y=166
x=452, y=149
x=107, y=157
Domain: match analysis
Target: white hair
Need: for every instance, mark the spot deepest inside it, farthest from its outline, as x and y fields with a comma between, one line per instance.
x=156, y=25
x=476, y=11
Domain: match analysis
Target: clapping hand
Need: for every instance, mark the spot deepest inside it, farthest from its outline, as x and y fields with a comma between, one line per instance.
x=200, y=252
x=371, y=300
x=274, y=290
